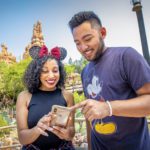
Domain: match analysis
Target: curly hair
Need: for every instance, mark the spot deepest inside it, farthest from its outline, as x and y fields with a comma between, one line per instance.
x=83, y=16
x=31, y=78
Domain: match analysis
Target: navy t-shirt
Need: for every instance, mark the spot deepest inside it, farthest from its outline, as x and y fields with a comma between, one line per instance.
x=117, y=75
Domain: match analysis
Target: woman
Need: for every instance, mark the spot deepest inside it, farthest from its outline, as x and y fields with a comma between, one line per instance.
x=44, y=79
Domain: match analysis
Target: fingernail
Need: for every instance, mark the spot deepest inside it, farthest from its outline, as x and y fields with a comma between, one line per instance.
x=55, y=127
x=50, y=129
x=45, y=134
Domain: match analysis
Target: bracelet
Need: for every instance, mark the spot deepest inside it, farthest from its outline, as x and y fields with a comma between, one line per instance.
x=110, y=108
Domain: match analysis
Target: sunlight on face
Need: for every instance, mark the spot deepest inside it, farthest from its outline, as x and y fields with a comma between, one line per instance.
x=88, y=40
x=50, y=75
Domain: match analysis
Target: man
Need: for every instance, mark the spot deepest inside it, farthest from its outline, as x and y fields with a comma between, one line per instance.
x=116, y=82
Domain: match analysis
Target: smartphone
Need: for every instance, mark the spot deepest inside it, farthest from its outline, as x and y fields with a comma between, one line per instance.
x=61, y=115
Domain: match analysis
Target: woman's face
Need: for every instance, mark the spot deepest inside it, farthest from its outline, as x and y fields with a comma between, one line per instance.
x=50, y=75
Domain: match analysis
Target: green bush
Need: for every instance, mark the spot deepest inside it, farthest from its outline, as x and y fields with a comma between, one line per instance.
x=3, y=122
x=11, y=80
x=78, y=97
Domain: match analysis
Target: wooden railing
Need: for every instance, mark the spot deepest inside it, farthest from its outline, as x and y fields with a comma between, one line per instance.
x=10, y=146
x=79, y=120
x=75, y=87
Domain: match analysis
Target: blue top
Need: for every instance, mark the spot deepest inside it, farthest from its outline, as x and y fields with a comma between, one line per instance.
x=116, y=75
x=41, y=104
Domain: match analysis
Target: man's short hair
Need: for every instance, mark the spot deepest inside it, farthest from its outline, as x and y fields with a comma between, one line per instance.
x=83, y=16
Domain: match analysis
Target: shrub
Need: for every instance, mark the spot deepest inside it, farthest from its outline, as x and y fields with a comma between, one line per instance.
x=3, y=122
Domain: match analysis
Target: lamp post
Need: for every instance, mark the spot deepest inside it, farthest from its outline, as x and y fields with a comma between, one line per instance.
x=137, y=7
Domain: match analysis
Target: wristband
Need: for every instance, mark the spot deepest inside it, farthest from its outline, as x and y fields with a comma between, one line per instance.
x=110, y=108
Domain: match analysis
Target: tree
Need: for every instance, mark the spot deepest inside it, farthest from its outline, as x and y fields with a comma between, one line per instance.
x=69, y=69
x=70, y=62
x=11, y=81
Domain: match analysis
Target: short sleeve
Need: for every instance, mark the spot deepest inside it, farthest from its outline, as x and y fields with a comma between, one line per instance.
x=136, y=69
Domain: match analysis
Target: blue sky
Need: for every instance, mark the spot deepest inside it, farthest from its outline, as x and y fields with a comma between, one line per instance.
x=19, y=16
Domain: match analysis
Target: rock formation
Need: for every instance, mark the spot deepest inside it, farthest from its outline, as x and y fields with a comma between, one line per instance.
x=37, y=39
x=5, y=56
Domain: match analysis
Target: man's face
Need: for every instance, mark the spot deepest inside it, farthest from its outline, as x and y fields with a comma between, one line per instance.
x=89, y=41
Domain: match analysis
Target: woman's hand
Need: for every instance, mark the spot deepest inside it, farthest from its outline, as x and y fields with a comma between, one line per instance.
x=43, y=124
x=62, y=133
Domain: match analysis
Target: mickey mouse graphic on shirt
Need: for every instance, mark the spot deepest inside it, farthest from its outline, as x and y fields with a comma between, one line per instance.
x=94, y=89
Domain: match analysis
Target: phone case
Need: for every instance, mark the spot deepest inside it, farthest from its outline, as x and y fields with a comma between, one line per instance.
x=61, y=115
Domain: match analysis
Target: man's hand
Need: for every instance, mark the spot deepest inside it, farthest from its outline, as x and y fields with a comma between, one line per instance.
x=93, y=109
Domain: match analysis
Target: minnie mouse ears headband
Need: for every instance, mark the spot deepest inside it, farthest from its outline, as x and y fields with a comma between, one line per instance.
x=59, y=53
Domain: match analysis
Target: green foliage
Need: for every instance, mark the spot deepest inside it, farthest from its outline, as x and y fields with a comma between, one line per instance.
x=78, y=114
x=69, y=69
x=80, y=128
x=78, y=97
x=11, y=79
x=80, y=64
x=3, y=122
x=75, y=66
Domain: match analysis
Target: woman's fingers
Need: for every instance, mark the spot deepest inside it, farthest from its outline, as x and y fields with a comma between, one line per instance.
x=62, y=133
x=47, y=118
x=42, y=131
x=57, y=132
x=44, y=124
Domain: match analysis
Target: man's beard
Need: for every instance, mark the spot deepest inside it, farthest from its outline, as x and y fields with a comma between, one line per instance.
x=100, y=49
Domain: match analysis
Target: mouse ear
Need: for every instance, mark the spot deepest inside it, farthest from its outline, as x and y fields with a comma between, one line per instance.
x=38, y=52
x=34, y=51
x=59, y=53
x=63, y=53
x=55, y=52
